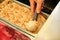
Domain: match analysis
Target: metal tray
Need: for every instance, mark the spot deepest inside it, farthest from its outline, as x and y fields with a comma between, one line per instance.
x=45, y=15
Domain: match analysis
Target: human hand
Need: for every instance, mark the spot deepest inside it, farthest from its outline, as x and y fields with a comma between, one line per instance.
x=39, y=6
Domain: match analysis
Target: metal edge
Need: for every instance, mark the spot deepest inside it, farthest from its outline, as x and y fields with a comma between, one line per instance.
x=20, y=3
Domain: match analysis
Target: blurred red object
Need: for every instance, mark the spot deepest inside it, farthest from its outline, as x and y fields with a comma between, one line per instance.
x=4, y=35
x=7, y=33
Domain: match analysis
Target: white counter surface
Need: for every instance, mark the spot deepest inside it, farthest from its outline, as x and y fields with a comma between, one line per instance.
x=51, y=29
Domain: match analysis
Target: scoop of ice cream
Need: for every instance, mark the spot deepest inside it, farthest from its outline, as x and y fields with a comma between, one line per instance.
x=31, y=26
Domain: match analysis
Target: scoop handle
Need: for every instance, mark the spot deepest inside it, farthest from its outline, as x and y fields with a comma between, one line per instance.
x=35, y=16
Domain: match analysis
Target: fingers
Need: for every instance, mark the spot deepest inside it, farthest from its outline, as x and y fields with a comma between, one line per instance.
x=32, y=4
x=39, y=6
x=42, y=5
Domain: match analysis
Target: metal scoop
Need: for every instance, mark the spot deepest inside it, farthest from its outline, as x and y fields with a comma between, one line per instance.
x=32, y=24
x=35, y=16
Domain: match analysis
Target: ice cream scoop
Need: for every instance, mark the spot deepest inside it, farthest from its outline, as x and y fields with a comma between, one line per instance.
x=32, y=24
